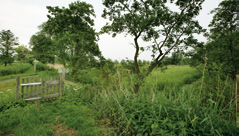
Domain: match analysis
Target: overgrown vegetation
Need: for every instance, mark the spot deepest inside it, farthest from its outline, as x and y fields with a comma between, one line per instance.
x=164, y=96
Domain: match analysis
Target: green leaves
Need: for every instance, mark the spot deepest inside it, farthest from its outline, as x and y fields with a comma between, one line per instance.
x=154, y=22
x=7, y=42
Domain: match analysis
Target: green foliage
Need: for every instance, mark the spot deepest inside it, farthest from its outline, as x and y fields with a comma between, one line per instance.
x=173, y=111
x=221, y=52
x=72, y=30
x=24, y=54
x=154, y=22
x=7, y=42
x=15, y=69
x=43, y=48
x=43, y=67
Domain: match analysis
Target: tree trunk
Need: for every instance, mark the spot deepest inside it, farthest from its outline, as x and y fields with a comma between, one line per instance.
x=136, y=88
x=5, y=64
x=75, y=59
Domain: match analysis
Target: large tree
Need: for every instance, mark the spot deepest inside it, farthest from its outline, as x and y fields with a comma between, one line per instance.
x=43, y=47
x=72, y=28
x=153, y=20
x=24, y=54
x=7, y=43
x=222, y=47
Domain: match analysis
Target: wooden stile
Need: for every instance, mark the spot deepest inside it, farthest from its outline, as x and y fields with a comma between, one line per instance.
x=45, y=88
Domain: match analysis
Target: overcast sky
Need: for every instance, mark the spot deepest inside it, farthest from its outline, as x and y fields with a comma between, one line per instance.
x=23, y=17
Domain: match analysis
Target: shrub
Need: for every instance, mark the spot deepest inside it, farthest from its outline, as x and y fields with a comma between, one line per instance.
x=43, y=67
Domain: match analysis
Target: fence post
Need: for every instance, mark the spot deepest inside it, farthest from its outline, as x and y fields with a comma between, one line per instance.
x=17, y=87
x=237, y=101
x=59, y=87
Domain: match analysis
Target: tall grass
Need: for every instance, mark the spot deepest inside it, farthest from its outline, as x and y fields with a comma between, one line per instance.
x=174, y=109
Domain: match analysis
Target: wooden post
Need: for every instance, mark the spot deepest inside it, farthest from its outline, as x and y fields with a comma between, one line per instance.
x=22, y=88
x=31, y=87
x=17, y=87
x=27, y=94
x=59, y=87
x=237, y=101
x=64, y=74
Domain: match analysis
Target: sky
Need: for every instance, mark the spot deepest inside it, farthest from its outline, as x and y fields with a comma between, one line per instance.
x=23, y=17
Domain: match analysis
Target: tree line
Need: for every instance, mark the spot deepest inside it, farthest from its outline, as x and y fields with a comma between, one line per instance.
x=69, y=38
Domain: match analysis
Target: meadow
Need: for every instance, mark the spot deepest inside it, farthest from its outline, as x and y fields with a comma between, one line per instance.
x=104, y=103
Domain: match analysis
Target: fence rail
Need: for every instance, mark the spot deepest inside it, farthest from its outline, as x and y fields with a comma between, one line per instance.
x=38, y=89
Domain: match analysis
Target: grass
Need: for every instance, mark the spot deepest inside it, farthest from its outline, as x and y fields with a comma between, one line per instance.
x=172, y=111
x=174, y=75
x=58, y=117
x=162, y=107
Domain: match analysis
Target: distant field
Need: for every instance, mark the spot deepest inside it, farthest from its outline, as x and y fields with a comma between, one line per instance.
x=174, y=74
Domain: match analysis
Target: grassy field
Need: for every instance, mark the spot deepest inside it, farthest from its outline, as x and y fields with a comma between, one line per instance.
x=106, y=105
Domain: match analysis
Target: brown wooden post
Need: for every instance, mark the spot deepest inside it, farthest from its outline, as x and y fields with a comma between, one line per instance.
x=31, y=87
x=22, y=88
x=40, y=86
x=54, y=88
x=17, y=87
x=36, y=85
x=27, y=94
x=47, y=79
x=237, y=102
x=59, y=87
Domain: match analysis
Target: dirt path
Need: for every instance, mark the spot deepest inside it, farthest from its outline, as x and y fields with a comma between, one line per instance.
x=56, y=66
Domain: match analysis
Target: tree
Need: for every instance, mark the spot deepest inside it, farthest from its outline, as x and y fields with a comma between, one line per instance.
x=24, y=54
x=177, y=57
x=72, y=29
x=43, y=48
x=152, y=20
x=7, y=42
x=222, y=49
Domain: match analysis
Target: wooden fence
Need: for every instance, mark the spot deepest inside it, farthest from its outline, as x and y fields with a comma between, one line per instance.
x=38, y=89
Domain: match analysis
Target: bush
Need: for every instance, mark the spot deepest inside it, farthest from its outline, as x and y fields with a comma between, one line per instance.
x=43, y=67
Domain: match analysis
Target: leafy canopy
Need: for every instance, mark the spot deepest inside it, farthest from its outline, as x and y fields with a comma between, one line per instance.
x=154, y=21
x=43, y=48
